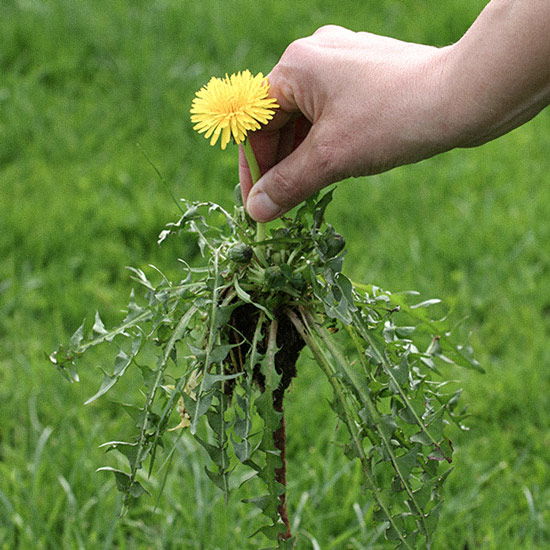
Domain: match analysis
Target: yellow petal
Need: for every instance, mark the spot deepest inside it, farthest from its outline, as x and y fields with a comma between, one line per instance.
x=232, y=106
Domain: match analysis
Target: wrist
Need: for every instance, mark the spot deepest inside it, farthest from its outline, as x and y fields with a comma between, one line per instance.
x=466, y=114
x=432, y=128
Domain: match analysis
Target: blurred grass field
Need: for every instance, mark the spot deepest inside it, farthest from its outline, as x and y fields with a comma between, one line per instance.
x=86, y=87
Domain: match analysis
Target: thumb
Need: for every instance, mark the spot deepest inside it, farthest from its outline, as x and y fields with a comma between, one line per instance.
x=310, y=167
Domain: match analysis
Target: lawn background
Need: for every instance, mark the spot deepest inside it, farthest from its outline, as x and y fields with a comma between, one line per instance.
x=85, y=88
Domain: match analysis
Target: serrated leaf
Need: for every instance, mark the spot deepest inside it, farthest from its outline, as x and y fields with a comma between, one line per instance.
x=214, y=452
x=434, y=424
x=223, y=314
x=148, y=375
x=443, y=451
x=242, y=450
x=122, y=362
x=210, y=380
x=203, y=405
x=134, y=310
x=346, y=288
x=141, y=278
x=124, y=482
x=242, y=427
x=108, y=382
x=337, y=306
x=216, y=421
x=367, y=418
x=426, y=303
x=215, y=356
x=271, y=418
x=395, y=530
x=422, y=438
x=407, y=462
x=387, y=425
x=433, y=517
x=272, y=532
x=320, y=207
x=379, y=516
x=129, y=450
x=99, y=327
x=401, y=371
x=245, y=297
x=216, y=478
x=64, y=361
x=77, y=337
x=262, y=502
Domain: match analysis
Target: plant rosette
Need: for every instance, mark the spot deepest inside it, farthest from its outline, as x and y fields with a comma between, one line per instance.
x=227, y=336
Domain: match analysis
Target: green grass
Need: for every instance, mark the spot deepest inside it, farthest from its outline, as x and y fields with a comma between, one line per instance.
x=82, y=84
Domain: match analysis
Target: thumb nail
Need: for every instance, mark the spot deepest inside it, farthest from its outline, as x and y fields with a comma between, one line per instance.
x=261, y=207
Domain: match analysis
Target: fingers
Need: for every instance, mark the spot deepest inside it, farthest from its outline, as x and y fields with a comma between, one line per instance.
x=270, y=148
x=280, y=189
x=306, y=170
x=265, y=145
x=268, y=142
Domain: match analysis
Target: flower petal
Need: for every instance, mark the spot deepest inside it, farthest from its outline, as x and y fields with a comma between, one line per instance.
x=232, y=106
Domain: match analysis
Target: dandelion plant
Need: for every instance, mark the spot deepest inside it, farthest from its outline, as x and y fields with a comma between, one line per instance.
x=215, y=351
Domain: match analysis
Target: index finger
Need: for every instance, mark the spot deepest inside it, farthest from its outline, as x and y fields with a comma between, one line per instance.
x=267, y=142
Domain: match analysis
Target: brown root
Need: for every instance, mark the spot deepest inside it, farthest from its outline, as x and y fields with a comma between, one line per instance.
x=289, y=344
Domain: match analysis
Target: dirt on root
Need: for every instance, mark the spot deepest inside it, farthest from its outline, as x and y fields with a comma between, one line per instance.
x=289, y=343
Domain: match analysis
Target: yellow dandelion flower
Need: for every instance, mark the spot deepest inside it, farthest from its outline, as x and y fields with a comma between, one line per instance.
x=232, y=106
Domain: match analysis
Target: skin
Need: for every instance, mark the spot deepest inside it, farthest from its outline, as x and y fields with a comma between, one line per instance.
x=356, y=104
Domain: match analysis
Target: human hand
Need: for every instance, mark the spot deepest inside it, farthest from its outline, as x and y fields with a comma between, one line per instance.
x=352, y=104
x=355, y=104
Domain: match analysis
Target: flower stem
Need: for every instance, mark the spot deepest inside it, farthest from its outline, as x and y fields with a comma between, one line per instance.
x=255, y=174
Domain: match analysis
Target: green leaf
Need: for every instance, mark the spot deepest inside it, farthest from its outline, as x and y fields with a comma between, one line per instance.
x=263, y=503
x=203, y=405
x=99, y=327
x=134, y=310
x=395, y=530
x=122, y=362
x=434, y=424
x=242, y=427
x=243, y=450
x=141, y=278
x=401, y=371
x=129, y=450
x=426, y=303
x=346, y=288
x=77, y=337
x=245, y=297
x=223, y=314
x=216, y=420
x=433, y=516
x=320, y=207
x=216, y=355
x=211, y=380
x=422, y=438
x=387, y=425
x=407, y=462
x=148, y=375
x=124, y=482
x=216, y=478
x=272, y=532
x=214, y=452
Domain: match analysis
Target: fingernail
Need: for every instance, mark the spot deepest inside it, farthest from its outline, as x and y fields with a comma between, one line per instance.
x=260, y=206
